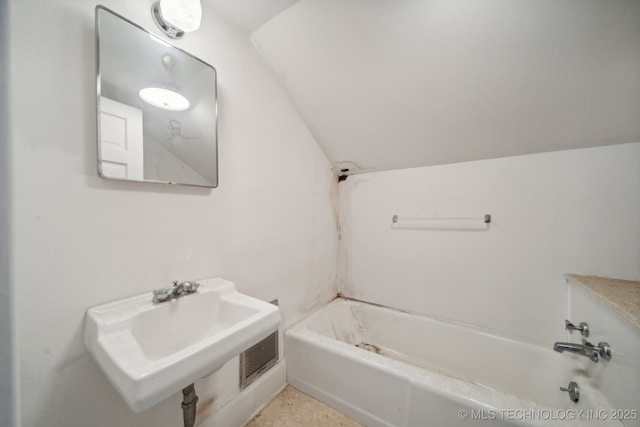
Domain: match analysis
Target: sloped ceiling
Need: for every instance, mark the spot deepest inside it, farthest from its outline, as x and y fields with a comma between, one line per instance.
x=403, y=83
x=248, y=15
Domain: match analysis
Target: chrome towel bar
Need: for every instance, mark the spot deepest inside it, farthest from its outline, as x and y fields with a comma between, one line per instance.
x=455, y=223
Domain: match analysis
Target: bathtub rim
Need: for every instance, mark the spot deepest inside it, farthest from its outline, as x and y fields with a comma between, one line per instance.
x=341, y=299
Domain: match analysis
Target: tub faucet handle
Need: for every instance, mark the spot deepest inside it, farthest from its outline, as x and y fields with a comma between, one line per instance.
x=583, y=327
x=574, y=391
x=603, y=350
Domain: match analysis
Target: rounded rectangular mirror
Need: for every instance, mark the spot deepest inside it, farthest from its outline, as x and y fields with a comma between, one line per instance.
x=157, y=111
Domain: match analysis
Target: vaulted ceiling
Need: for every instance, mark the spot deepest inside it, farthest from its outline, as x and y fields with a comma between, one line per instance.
x=403, y=83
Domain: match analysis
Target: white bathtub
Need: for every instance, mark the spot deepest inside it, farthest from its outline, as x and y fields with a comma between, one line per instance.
x=388, y=368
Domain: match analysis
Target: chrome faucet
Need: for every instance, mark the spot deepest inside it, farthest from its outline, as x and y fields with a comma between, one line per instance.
x=175, y=291
x=586, y=349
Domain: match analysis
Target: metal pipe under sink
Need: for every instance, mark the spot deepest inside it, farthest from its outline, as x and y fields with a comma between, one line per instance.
x=189, y=405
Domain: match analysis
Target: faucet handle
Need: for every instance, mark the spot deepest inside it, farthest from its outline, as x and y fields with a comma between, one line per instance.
x=583, y=327
x=590, y=350
x=574, y=391
x=190, y=286
x=161, y=295
x=593, y=351
x=159, y=292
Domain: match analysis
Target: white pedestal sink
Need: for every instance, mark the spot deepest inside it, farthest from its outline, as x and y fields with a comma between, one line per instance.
x=150, y=351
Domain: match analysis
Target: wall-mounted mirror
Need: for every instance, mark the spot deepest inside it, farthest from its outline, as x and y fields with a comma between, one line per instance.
x=157, y=114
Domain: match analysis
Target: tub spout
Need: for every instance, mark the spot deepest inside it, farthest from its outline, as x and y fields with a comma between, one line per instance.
x=586, y=349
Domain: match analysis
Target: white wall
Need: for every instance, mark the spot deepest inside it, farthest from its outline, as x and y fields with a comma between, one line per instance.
x=162, y=164
x=572, y=211
x=80, y=240
x=7, y=347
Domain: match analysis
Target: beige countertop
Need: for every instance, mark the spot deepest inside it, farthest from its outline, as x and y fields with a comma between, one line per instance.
x=621, y=295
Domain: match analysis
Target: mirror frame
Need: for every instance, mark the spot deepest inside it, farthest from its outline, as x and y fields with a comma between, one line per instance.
x=98, y=8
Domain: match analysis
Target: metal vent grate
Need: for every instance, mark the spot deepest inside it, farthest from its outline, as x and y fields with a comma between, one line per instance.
x=259, y=358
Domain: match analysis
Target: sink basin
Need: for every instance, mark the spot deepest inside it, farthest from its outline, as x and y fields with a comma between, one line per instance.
x=150, y=351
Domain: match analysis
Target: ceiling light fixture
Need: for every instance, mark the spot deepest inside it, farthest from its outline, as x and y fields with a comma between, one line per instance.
x=177, y=17
x=164, y=98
